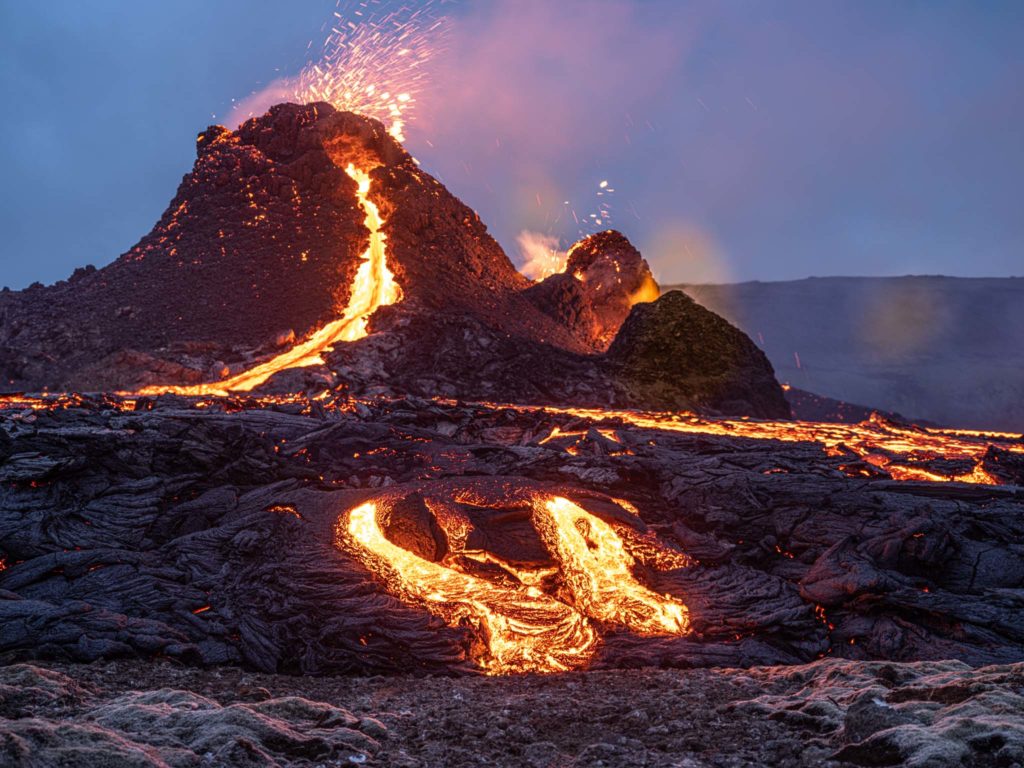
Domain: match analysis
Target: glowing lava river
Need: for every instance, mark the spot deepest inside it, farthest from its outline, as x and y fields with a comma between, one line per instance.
x=374, y=286
x=541, y=539
x=903, y=451
x=524, y=628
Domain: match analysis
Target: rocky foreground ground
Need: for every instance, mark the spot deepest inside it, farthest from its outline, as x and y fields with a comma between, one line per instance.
x=829, y=713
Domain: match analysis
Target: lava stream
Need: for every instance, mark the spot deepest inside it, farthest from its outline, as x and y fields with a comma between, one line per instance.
x=374, y=286
x=525, y=629
x=598, y=572
x=895, y=448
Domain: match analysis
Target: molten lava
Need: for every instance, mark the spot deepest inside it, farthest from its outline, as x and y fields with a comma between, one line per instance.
x=522, y=628
x=374, y=286
x=598, y=572
x=900, y=450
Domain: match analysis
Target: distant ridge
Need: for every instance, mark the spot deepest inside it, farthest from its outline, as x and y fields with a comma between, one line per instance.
x=945, y=349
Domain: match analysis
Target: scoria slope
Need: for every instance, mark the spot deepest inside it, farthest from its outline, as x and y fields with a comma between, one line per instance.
x=261, y=241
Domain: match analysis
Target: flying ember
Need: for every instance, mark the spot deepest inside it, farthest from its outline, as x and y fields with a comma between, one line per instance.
x=372, y=64
x=903, y=451
x=373, y=61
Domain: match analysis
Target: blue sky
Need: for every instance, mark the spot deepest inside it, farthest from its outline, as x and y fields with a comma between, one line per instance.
x=744, y=140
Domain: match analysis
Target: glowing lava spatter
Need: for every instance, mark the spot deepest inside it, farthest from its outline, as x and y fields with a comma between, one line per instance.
x=372, y=63
x=523, y=628
x=374, y=286
x=373, y=60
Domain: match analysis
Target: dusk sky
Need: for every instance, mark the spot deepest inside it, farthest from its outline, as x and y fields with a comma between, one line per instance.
x=743, y=140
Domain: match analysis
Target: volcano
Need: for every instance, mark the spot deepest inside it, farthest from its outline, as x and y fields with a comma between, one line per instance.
x=316, y=423
x=255, y=265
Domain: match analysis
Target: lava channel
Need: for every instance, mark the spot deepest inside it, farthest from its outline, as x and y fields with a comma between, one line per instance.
x=902, y=451
x=374, y=286
x=522, y=628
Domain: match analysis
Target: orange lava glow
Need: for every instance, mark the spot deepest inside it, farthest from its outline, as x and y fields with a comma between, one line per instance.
x=58, y=401
x=598, y=571
x=374, y=286
x=648, y=291
x=523, y=628
x=893, y=447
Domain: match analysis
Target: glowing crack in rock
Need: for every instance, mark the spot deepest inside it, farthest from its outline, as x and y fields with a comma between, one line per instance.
x=374, y=286
x=898, y=449
x=523, y=628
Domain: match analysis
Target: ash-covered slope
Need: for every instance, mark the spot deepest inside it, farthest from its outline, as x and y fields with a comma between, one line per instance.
x=262, y=249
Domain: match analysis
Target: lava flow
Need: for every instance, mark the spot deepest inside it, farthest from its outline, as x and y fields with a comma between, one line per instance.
x=902, y=451
x=523, y=630
x=522, y=627
x=598, y=572
x=374, y=286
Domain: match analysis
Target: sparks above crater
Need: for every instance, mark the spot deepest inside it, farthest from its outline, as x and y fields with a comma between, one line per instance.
x=374, y=61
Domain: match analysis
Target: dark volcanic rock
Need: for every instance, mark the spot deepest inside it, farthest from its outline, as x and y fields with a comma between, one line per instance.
x=614, y=277
x=452, y=354
x=208, y=533
x=674, y=354
x=248, y=213
x=412, y=526
x=563, y=297
x=808, y=406
x=264, y=235
x=1005, y=465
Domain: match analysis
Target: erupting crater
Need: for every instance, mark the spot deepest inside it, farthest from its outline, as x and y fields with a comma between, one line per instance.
x=563, y=575
x=286, y=246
